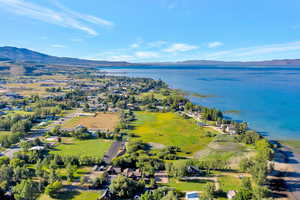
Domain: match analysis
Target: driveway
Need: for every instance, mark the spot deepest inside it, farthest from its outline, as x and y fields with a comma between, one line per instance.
x=113, y=151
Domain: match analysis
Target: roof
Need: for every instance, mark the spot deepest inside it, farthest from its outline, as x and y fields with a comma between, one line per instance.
x=37, y=148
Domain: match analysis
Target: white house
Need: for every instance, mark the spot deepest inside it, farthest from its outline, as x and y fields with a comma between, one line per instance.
x=192, y=196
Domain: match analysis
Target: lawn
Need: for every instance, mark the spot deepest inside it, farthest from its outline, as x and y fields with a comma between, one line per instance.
x=73, y=147
x=83, y=171
x=191, y=185
x=170, y=129
x=73, y=195
x=104, y=121
x=229, y=183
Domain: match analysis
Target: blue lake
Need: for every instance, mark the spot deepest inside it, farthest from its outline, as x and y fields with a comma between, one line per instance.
x=267, y=97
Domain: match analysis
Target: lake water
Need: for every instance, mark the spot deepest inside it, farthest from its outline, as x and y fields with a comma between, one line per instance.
x=267, y=97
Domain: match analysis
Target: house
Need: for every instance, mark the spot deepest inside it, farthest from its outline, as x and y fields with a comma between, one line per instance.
x=128, y=172
x=231, y=194
x=80, y=127
x=114, y=170
x=161, y=177
x=37, y=148
x=192, y=196
x=95, y=168
x=192, y=170
x=52, y=139
x=231, y=130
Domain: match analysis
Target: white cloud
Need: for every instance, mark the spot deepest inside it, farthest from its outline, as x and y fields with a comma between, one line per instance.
x=244, y=53
x=58, y=46
x=180, y=47
x=146, y=54
x=62, y=17
x=157, y=44
x=215, y=44
x=135, y=45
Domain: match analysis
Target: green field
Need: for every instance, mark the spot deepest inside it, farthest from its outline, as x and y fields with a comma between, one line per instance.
x=170, y=129
x=192, y=185
x=73, y=147
x=73, y=195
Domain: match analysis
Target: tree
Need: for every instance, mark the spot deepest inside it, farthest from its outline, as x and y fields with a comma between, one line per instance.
x=83, y=180
x=26, y=190
x=209, y=191
x=170, y=196
x=245, y=165
x=123, y=187
x=53, y=188
x=160, y=193
x=245, y=191
x=71, y=169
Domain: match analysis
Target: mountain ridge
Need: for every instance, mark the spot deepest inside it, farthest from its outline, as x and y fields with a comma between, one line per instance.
x=9, y=53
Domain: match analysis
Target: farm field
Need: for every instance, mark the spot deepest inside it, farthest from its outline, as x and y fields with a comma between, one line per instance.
x=28, y=89
x=105, y=121
x=73, y=147
x=170, y=129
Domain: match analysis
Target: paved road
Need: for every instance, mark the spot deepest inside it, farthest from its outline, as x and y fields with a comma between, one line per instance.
x=292, y=177
x=113, y=151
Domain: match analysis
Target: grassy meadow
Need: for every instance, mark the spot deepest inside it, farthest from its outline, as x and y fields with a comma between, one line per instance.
x=74, y=147
x=170, y=129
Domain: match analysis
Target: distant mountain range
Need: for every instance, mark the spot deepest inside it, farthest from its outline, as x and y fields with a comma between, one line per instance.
x=22, y=55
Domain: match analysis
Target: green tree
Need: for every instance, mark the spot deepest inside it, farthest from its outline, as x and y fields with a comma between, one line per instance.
x=123, y=187
x=26, y=190
x=209, y=191
x=245, y=191
x=53, y=188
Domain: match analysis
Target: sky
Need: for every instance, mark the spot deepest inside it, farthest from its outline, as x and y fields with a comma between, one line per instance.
x=154, y=30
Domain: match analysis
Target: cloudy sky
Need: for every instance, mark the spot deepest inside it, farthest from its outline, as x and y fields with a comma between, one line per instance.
x=154, y=30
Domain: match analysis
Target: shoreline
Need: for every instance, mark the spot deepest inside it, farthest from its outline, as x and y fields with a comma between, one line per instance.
x=285, y=176
x=266, y=124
